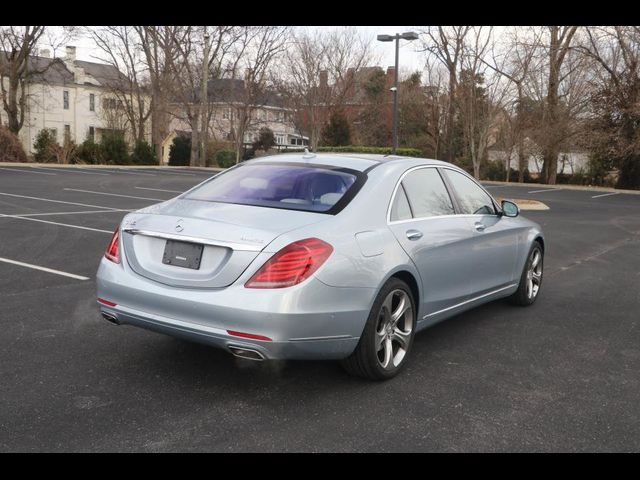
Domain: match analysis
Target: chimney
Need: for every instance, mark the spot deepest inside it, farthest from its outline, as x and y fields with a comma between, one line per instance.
x=324, y=79
x=391, y=77
x=70, y=53
x=45, y=52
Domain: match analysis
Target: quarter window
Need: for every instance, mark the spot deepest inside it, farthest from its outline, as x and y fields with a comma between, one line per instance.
x=472, y=199
x=426, y=193
x=400, y=209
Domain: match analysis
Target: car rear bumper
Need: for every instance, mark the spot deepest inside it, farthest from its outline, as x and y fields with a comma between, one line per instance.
x=309, y=321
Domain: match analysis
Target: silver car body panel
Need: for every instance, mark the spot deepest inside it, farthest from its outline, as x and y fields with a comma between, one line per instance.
x=455, y=266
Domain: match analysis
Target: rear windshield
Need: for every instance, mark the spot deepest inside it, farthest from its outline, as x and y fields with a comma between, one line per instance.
x=294, y=187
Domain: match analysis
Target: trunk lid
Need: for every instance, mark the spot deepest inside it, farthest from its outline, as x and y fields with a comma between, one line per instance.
x=231, y=236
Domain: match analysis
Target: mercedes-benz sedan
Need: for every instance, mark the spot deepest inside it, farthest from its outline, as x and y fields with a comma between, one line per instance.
x=327, y=256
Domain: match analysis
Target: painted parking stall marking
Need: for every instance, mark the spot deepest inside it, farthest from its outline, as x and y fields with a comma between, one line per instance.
x=42, y=269
x=113, y=194
x=18, y=170
x=606, y=195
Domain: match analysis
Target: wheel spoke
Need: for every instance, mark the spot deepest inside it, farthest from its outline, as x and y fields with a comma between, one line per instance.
x=388, y=353
x=401, y=337
x=536, y=260
x=536, y=277
x=387, y=306
x=380, y=336
x=529, y=288
x=400, y=310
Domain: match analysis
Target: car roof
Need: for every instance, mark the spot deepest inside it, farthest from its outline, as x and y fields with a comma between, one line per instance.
x=355, y=161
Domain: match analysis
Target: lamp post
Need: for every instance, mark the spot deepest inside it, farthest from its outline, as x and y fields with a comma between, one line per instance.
x=394, y=89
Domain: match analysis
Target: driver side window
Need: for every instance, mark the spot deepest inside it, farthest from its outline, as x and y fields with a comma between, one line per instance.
x=471, y=198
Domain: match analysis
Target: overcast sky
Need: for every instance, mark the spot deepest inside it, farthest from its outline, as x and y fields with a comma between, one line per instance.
x=409, y=59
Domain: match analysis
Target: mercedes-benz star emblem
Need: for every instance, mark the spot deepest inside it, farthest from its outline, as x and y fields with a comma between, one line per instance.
x=179, y=226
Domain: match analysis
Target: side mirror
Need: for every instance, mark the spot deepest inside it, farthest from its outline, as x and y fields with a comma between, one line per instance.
x=510, y=209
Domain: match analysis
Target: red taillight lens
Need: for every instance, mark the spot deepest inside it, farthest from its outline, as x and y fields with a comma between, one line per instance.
x=291, y=265
x=113, y=250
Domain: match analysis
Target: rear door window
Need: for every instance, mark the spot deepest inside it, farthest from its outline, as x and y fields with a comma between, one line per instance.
x=293, y=187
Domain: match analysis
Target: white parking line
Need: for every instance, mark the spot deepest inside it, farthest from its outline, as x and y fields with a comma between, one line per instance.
x=546, y=190
x=118, y=170
x=76, y=170
x=59, y=201
x=113, y=194
x=606, y=195
x=26, y=171
x=174, y=173
x=496, y=186
x=80, y=227
x=68, y=213
x=160, y=190
x=44, y=269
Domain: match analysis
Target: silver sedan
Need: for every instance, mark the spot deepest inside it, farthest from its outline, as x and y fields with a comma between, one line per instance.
x=327, y=256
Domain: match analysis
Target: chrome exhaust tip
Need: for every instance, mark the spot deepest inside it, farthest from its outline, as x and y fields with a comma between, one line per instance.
x=109, y=317
x=246, y=353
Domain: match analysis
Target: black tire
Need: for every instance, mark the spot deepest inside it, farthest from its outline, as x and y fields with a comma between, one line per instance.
x=364, y=361
x=522, y=297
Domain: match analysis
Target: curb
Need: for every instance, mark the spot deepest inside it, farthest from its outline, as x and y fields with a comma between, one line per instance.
x=563, y=187
x=98, y=167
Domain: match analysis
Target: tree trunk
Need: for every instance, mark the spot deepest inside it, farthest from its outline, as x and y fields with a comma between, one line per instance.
x=195, y=142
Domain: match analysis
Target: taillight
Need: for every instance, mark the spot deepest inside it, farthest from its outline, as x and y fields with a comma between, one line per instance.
x=293, y=264
x=113, y=250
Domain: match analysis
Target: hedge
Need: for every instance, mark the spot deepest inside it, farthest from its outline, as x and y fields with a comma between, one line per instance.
x=406, y=152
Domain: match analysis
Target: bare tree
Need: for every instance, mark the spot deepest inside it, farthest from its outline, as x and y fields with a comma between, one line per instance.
x=160, y=52
x=17, y=45
x=447, y=44
x=263, y=45
x=558, y=45
x=121, y=49
x=515, y=63
x=320, y=75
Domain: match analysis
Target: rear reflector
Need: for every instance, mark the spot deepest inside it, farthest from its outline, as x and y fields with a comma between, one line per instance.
x=106, y=302
x=248, y=335
x=293, y=264
x=113, y=249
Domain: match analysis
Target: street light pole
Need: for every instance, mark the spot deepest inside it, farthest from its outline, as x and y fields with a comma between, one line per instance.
x=395, y=99
x=394, y=89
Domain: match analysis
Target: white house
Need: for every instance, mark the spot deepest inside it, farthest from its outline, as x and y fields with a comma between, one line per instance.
x=225, y=96
x=72, y=98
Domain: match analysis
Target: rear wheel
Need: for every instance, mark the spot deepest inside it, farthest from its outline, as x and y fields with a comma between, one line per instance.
x=531, y=278
x=387, y=336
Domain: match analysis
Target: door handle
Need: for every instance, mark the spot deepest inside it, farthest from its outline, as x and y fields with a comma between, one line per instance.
x=414, y=234
x=479, y=227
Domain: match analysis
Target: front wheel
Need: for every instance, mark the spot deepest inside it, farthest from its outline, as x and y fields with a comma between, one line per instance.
x=387, y=336
x=531, y=278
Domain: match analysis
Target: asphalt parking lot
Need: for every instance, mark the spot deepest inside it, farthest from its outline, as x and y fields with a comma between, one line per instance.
x=562, y=375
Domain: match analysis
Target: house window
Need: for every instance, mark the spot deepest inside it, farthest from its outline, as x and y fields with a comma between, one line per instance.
x=92, y=134
x=112, y=104
x=65, y=99
x=280, y=117
x=281, y=138
x=67, y=133
x=92, y=102
x=226, y=114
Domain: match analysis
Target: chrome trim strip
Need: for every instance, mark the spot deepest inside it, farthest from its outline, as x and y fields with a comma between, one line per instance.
x=470, y=300
x=205, y=241
x=309, y=339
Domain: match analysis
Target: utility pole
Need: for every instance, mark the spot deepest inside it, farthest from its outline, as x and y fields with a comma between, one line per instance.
x=204, y=103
